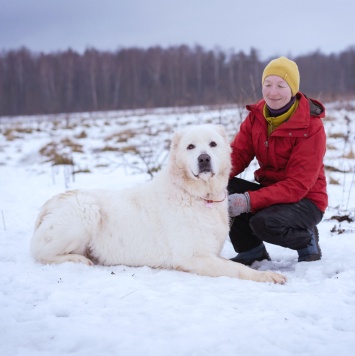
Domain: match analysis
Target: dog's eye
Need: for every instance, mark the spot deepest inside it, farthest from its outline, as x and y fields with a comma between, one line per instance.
x=213, y=144
x=190, y=146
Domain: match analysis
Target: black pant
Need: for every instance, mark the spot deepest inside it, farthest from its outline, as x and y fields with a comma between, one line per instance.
x=285, y=225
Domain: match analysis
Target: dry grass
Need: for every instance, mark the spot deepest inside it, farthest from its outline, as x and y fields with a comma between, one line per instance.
x=82, y=134
x=85, y=170
x=330, y=118
x=12, y=134
x=60, y=159
x=334, y=169
x=123, y=136
x=331, y=180
x=75, y=147
x=336, y=135
x=331, y=147
x=349, y=155
x=130, y=149
x=54, y=151
x=109, y=149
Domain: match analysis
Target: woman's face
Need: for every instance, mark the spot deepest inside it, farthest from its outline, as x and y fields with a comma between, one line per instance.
x=276, y=92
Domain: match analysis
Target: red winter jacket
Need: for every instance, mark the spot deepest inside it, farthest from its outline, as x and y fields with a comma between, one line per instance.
x=290, y=159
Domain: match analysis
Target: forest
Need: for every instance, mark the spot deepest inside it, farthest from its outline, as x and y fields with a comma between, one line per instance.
x=130, y=78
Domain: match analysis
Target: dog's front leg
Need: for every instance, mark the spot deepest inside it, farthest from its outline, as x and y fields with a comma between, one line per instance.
x=214, y=266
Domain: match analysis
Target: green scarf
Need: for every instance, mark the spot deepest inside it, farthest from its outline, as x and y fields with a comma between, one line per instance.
x=275, y=122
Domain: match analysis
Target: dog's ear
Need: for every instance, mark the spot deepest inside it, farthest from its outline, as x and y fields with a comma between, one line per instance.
x=175, y=140
x=222, y=131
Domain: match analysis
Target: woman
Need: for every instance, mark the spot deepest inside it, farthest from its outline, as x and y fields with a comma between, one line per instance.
x=285, y=133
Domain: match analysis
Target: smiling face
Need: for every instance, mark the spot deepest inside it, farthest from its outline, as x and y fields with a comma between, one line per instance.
x=276, y=92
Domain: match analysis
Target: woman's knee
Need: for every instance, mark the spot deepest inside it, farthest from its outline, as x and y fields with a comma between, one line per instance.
x=267, y=227
x=271, y=227
x=264, y=223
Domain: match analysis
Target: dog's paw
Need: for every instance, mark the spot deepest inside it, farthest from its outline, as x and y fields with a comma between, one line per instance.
x=273, y=277
x=79, y=259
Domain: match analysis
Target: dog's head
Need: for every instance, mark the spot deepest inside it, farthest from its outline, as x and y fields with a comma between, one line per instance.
x=200, y=152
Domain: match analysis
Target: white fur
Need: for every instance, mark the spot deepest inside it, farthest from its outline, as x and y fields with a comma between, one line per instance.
x=165, y=223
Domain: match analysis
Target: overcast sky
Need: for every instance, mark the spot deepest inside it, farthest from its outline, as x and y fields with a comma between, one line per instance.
x=273, y=27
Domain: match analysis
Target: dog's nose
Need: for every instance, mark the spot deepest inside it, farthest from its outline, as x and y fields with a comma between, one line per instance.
x=204, y=158
x=204, y=163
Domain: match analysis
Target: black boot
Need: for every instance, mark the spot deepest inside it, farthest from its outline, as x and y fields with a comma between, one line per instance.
x=312, y=251
x=247, y=258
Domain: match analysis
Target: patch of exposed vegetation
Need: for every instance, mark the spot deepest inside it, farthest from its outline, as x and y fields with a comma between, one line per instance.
x=336, y=135
x=130, y=149
x=108, y=148
x=349, y=155
x=331, y=147
x=61, y=152
x=334, y=169
x=85, y=170
x=329, y=118
x=12, y=133
x=75, y=147
x=60, y=159
x=123, y=136
x=334, y=181
x=82, y=134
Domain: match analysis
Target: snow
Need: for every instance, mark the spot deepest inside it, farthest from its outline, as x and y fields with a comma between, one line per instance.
x=79, y=310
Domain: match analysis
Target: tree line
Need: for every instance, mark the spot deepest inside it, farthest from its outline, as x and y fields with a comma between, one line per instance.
x=68, y=81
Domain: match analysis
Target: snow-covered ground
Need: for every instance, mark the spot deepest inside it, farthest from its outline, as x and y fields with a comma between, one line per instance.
x=80, y=310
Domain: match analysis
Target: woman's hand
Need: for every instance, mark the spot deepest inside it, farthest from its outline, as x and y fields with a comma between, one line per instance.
x=238, y=204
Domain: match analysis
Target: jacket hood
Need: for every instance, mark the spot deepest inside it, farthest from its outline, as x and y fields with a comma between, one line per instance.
x=316, y=108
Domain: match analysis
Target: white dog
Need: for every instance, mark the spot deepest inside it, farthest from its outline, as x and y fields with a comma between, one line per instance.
x=179, y=220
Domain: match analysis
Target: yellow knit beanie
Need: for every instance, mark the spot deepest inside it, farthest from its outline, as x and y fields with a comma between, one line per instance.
x=287, y=70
